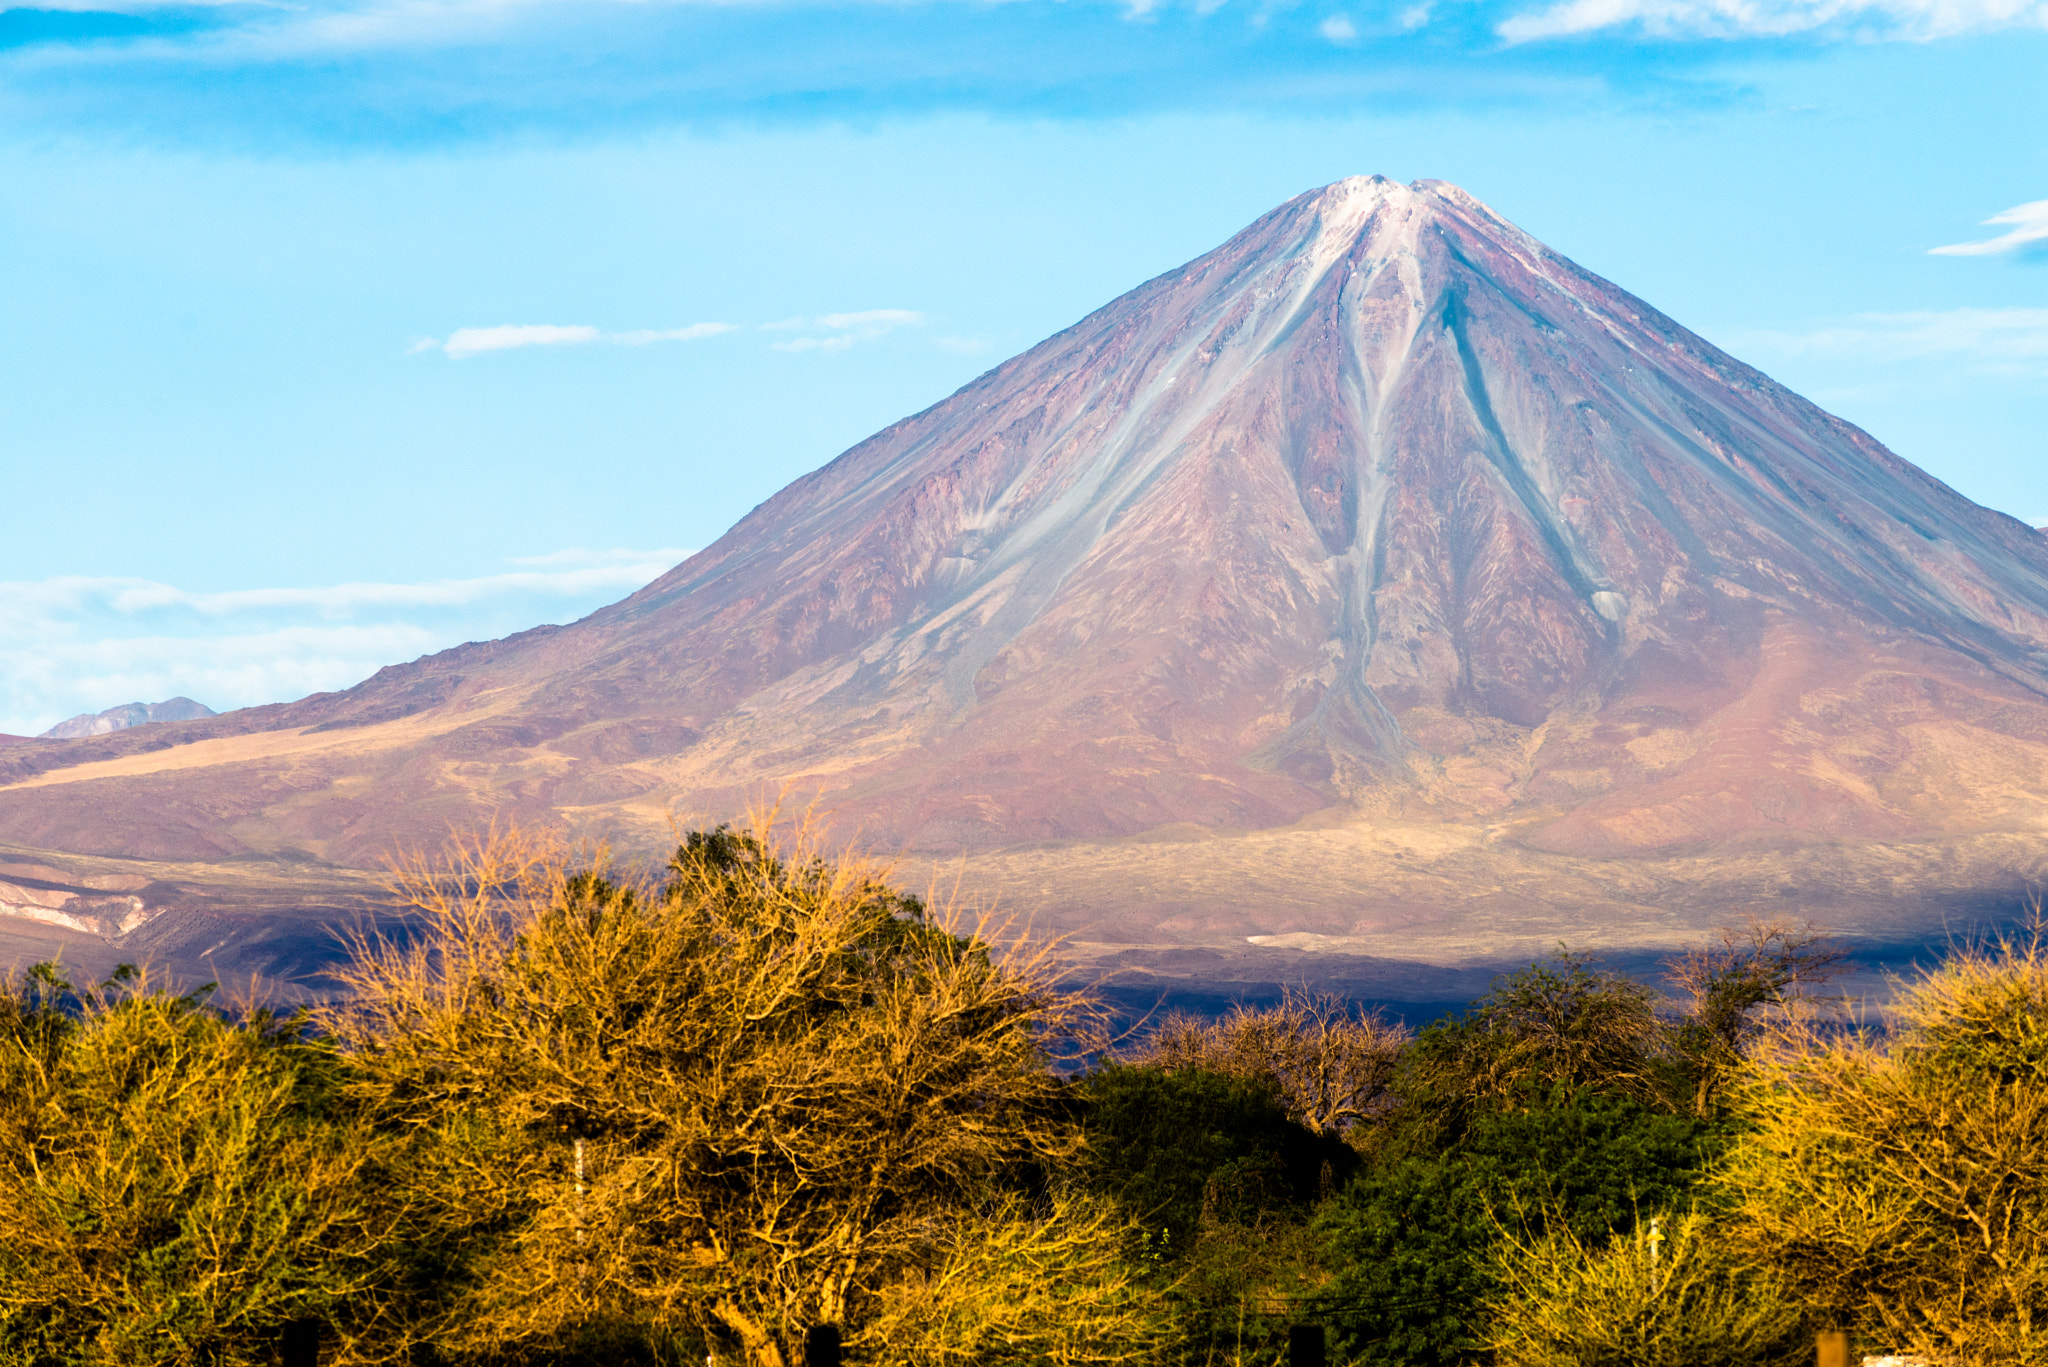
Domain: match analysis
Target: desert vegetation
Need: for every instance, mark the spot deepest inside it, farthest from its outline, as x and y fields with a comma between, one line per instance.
x=571, y=1117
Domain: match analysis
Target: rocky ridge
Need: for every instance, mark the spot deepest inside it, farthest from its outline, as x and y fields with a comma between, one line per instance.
x=127, y=715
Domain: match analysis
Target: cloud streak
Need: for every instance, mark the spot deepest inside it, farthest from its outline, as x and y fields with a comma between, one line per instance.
x=2009, y=340
x=839, y=331
x=828, y=333
x=463, y=343
x=2029, y=226
x=1677, y=20
x=78, y=644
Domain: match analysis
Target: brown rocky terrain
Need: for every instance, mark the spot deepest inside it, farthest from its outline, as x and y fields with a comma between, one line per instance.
x=1381, y=583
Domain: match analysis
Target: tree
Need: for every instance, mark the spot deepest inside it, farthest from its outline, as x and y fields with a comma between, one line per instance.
x=1020, y=1282
x=1898, y=1185
x=709, y=1114
x=1730, y=985
x=178, y=1185
x=1558, y=1027
x=1330, y=1061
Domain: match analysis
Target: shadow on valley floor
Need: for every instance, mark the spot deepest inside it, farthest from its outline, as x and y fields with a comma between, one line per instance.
x=1142, y=985
x=278, y=923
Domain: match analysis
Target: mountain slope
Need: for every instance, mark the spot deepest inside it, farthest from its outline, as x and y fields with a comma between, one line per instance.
x=1380, y=513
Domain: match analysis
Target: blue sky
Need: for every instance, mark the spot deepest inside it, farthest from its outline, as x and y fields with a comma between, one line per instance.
x=336, y=332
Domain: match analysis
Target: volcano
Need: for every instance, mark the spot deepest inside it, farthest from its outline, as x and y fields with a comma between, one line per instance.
x=1379, y=578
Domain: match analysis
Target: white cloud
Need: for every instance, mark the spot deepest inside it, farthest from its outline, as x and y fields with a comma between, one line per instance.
x=473, y=341
x=829, y=332
x=872, y=318
x=2029, y=224
x=839, y=343
x=76, y=644
x=1900, y=19
x=2013, y=340
x=843, y=330
x=688, y=334
x=466, y=342
x=1338, y=28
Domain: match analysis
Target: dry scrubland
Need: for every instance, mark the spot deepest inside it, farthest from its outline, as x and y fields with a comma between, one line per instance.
x=571, y=1119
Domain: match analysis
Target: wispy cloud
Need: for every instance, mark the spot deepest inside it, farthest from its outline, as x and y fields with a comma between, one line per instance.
x=2011, y=340
x=689, y=334
x=838, y=331
x=466, y=342
x=1910, y=20
x=77, y=644
x=827, y=332
x=2028, y=224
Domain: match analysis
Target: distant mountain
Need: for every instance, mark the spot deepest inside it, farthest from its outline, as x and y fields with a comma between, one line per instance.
x=1381, y=578
x=127, y=715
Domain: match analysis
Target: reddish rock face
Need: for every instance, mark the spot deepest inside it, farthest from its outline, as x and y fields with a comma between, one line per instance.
x=1380, y=508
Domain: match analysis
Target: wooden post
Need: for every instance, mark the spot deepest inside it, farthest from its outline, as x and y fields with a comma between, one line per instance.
x=299, y=1346
x=1305, y=1346
x=1831, y=1348
x=821, y=1346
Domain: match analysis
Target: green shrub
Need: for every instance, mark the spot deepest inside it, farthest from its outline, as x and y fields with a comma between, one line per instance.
x=1223, y=1183
x=1184, y=1147
x=1408, y=1240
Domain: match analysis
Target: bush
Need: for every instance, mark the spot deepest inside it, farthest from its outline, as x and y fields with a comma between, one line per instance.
x=664, y=1121
x=1409, y=1239
x=1021, y=1283
x=1644, y=1299
x=1900, y=1188
x=1222, y=1181
x=1555, y=1093
x=1560, y=1026
x=177, y=1186
x=1187, y=1148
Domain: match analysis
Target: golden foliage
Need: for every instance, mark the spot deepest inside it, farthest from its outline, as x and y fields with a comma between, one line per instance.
x=1650, y=1298
x=1331, y=1062
x=1901, y=1189
x=176, y=1186
x=1018, y=1285
x=719, y=1110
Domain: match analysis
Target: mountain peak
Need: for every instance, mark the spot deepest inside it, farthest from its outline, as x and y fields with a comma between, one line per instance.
x=1380, y=513
x=1374, y=217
